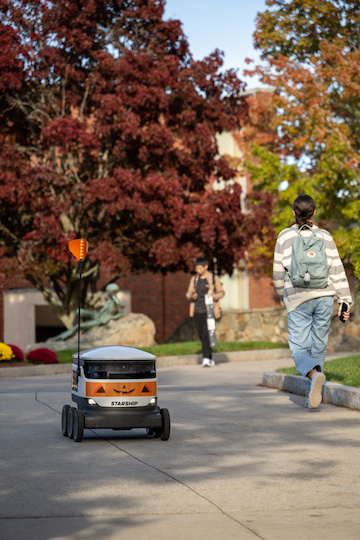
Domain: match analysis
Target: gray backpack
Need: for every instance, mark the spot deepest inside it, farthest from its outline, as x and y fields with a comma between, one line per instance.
x=309, y=266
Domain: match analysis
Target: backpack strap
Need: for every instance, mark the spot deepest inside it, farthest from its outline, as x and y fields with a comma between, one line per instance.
x=316, y=233
x=301, y=228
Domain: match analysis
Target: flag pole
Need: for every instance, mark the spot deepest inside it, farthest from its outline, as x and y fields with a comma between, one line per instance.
x=79, y=308
x=79, y=249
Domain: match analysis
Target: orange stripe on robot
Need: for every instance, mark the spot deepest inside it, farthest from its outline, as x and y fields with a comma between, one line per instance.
x=95, y=389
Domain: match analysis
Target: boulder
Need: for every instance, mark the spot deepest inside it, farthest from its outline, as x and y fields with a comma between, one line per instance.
x=133, y=330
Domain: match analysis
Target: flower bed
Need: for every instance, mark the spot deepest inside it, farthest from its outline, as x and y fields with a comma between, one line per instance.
x=6, y=353
x=42, y=356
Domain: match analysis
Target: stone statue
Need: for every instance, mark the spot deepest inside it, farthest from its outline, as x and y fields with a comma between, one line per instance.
x=112, y=310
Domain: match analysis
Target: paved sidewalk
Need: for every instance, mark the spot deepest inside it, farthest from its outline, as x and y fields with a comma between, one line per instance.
x=243, y=461
x=335, y=394
x=28, y=370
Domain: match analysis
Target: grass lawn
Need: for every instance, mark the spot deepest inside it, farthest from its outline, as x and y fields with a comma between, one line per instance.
x=342, y=370
x=190, y=347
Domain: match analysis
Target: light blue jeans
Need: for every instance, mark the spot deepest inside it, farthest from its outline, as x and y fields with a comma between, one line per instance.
x=309, y=326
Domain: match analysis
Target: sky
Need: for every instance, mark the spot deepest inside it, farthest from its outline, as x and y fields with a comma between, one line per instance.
x=227, y=25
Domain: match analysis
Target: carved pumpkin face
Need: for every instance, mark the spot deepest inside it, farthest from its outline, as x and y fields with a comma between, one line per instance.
x=96, y=389
x=124, y=391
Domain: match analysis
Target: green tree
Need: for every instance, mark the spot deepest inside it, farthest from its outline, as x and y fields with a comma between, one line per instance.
x=311, y=56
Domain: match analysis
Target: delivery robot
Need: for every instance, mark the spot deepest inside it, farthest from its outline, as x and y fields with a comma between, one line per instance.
x=114, y=387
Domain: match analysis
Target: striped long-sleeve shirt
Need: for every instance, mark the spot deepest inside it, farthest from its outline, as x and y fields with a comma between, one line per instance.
x=292, y=296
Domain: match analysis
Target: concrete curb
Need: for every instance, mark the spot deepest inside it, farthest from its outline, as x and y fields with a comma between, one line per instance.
x=161, y=362
x=33, y=371
x=333, y=393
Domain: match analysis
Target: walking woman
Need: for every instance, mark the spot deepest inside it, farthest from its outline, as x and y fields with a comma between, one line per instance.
x=309, y=310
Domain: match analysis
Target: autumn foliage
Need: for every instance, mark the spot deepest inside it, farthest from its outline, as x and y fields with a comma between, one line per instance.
x=107, y=130
x=305, y=139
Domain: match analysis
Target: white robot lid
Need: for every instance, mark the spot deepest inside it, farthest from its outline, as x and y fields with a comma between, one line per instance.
x=114, y=352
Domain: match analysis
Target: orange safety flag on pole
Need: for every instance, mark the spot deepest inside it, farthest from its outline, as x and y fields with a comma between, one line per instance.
x=79, y=248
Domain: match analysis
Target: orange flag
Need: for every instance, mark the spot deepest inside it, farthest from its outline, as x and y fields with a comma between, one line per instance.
x=79, y=248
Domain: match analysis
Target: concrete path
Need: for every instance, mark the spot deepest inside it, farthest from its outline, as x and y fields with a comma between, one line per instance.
x=243, y=461
x=31, y=370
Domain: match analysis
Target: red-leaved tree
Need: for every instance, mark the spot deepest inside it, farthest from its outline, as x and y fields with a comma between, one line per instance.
x=107, y=129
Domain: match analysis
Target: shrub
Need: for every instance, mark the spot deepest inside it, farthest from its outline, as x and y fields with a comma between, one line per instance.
x=5, y=352
x=17, y=352
x=42, y=356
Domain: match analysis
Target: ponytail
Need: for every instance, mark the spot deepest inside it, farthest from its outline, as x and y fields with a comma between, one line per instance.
x=304, y=208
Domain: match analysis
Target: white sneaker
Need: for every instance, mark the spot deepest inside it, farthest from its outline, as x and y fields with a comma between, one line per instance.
x=207, y=362
x=307, y=404
x=314, y=397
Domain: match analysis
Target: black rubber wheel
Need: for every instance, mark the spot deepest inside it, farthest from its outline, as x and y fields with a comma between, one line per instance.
x=70, y=422
x=78, y=427
x=165, y=429
x=64, y=415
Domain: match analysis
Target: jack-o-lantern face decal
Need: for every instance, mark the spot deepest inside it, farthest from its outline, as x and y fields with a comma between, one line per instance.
x=98, y=389
x=124, y=391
